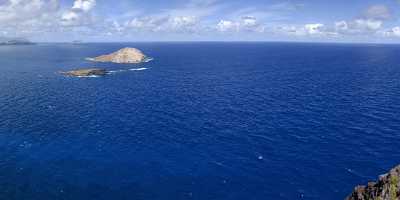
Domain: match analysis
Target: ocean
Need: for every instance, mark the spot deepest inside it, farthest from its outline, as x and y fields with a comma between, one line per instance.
x=201, y=121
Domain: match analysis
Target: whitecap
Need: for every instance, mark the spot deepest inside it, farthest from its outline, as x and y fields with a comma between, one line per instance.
x=138, y=69
x=90, y=76
x=148, y=59
x=115, y=71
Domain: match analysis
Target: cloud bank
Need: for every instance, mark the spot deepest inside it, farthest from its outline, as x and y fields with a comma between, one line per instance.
x=194, y=19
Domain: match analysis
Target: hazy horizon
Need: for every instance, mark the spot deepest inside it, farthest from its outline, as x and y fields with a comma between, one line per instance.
x=225, y=41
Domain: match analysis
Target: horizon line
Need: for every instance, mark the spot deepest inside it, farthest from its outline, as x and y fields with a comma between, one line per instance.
x=219, y=41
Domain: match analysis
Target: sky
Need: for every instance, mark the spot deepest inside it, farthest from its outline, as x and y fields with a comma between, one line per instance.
x=375, y=21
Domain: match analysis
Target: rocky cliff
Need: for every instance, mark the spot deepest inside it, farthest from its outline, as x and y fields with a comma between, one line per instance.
x=386, y=188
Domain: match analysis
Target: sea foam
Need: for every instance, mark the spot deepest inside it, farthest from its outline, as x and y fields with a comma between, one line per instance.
x=91, y=76
x=148, y=59
x=138, y=69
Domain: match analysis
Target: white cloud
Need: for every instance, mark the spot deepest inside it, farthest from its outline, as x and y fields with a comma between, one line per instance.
x=367, y=24
x=206, y=18
x=161, y=23
x=188, y=18
x=245, y=24
x=249, y=21
x=84, y=5
x=25, y=17
x=227, y=26
x=370, y=23
x=183, y=23
x=358, y=26
x=394, y=32
x=19, y=11
x=314, y=29
x=137, y=23
x=70, y=16
x=378, y=12
x=197, y=8
x=147, y=24
x=79, y=14
x=341, y=26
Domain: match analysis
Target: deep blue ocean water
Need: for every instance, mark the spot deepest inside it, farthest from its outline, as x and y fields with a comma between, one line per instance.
x=205, y=121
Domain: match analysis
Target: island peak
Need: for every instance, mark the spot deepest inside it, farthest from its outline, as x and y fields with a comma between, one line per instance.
x=124, y=55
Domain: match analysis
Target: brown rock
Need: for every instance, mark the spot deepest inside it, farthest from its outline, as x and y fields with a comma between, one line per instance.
x=387, y=188
x=86, y=72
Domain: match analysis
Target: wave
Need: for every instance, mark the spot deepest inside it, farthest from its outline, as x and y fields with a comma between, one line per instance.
x=90, y=59
x=138, y=69
x=148, y=59
x=124, y=70
x=115, y=71
x=90, y=76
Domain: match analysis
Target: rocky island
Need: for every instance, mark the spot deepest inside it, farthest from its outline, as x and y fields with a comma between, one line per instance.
x=15, y=41
x=86, y=72
x=386, y=188
x=125, y=55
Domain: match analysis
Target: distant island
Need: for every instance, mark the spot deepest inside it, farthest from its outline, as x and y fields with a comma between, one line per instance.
x=386, y=188
x=15, y=41
x=122, y=56
x=77, y=42
x=125, y=55
x=86, y=72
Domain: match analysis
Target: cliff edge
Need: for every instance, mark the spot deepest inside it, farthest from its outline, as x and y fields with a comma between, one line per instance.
x=386, y=188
